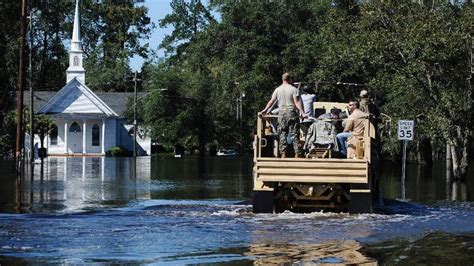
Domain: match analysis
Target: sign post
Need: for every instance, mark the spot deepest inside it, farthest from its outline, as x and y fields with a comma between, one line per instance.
x=405, y=133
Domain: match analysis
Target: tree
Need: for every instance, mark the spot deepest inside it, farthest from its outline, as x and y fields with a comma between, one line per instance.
x=111, y=32
x=43, y=126
x=410, y=56
x=420, y=63
x=185, y=78
x=188, y=18
x=50, y=56
x=9, y=15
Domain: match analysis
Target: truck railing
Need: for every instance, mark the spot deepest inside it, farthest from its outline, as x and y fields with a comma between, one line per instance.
x=366, y=140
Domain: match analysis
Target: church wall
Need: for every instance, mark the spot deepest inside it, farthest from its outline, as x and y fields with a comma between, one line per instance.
x=89, y=125
x=59, y=148
x=110, y=140
x=110, y=133
x=125, y=138
x=145, y=144
x=115, y=135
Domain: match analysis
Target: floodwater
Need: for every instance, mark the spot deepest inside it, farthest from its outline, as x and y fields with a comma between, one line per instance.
x=174, y=211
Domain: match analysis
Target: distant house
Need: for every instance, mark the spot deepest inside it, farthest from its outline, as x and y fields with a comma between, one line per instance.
x=86, y=123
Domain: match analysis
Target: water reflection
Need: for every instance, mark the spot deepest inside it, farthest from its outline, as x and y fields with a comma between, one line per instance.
x=341, y=253
x=199, y=178
x=432, y=249
x=426, y=184
x=76, y=183
x=80, y=183
x=178, y=211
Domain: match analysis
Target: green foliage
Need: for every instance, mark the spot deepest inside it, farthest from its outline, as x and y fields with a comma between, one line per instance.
x=111, y=35
x=9, y=14
x=43, y=125
x=422, y=76
x=187, y=19
x=7, y=135
x=118, y=152
x=50, y=56
x=413, y=58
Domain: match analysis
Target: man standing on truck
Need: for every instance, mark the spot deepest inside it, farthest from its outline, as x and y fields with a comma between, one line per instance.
x=288, y=120
x=354, y=126
x=367, y=106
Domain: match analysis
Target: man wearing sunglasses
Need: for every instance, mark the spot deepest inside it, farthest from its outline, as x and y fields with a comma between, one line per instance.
x=354, y=126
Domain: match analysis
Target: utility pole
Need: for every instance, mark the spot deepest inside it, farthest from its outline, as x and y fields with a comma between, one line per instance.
x=30, y=68
x=241, y=96
x=135, y=117
x=238, y=107
x=21, y=83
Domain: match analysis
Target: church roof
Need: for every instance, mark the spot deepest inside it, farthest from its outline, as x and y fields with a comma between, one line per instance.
x=71, y=100
x=76, y=98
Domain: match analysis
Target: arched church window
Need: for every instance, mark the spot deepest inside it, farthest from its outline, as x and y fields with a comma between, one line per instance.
x=53, y=135
x=76, y=61
x=75, y=128
x=95, y=135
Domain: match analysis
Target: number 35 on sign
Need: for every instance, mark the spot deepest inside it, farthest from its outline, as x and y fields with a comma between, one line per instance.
x=405, y=129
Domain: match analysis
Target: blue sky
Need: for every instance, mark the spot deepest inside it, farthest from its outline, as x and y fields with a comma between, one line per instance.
x=157, y=9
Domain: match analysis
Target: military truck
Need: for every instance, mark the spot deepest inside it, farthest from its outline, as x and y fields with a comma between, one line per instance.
x=317, y=182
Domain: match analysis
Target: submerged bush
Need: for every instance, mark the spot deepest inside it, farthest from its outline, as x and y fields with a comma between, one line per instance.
x=118, y=152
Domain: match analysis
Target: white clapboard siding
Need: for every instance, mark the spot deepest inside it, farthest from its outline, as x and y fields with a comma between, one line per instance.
x=80, y=105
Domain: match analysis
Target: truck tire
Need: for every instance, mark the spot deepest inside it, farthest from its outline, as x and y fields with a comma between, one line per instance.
x=263, y=201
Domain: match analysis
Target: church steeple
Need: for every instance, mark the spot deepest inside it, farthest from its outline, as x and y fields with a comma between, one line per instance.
x=76, y=70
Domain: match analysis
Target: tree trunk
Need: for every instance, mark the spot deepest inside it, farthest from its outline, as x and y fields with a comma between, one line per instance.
x=202, y=140
x=460, y=153
x=424, y=151
x=42, y=140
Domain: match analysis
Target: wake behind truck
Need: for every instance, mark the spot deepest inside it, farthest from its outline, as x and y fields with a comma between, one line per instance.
x=319, y=181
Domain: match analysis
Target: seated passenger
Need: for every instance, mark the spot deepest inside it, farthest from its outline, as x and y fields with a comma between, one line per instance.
x=308, y=98
x=354, y=127
x=334, y=114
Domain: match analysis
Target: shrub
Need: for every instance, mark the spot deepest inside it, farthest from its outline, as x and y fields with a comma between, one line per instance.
x=116, y=152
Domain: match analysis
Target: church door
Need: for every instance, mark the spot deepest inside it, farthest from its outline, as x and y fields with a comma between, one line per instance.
x=75, y=138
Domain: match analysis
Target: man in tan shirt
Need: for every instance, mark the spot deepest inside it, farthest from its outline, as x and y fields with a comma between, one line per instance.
x=354, y=126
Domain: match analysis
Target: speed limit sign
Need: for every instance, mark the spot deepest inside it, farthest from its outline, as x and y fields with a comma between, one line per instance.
x=405, y=129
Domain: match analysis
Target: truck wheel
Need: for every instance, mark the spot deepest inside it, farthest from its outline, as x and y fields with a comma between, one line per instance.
x=263, y=201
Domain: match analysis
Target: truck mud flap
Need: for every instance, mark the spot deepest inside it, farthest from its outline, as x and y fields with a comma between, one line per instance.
x=361, y=201
x=263, y=201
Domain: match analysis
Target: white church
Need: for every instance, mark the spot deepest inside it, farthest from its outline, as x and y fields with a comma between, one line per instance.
x=86, y=124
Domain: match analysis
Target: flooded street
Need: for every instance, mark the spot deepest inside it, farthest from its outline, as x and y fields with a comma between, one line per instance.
x=190, y=211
